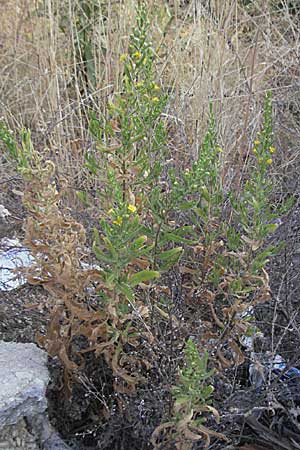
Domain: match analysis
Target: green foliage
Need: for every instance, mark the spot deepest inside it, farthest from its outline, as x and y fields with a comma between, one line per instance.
x=198, y=189
x=192, y=397
x=130, y=147
x=21, y=155
x=8, y=139
x=120, y=244
x=134, y=135
x=253, y=209
x=224, y=242
x=192, y=391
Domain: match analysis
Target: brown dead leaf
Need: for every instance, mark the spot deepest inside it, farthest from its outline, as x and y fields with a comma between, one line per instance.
x=142, y=263
x=185, y=269
x=224, y=361
x=238, y=354
x=215, y=317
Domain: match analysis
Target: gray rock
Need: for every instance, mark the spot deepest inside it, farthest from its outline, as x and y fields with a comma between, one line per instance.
x=24, y=378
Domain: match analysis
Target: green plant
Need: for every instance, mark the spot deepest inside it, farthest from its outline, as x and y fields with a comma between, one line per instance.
x=131, y=145
x=192, y=391
x=225, y=253
x=192, y=398
x=253, y=209
x=131, y=141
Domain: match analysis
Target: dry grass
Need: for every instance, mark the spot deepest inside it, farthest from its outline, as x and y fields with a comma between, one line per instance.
x=219, y=51
x=226, y=52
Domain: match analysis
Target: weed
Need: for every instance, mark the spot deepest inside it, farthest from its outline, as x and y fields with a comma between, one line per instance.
x=192, y=398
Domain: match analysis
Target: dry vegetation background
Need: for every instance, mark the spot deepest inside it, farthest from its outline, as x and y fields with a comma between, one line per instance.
x=227, y=52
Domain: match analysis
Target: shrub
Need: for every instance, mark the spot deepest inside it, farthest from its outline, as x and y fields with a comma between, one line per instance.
x=156, y=219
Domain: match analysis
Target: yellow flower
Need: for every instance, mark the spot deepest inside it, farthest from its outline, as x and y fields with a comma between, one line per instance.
x=260, y=160
x=123, y=57
x=156, y=87
x=220, y=150
x=137, y=55
x=254, y=151
x=155, y=99
x=272, y=149
x=256, y=142
x=139, y=84
x=131, y=208
x=269, y=161
x=118, y=221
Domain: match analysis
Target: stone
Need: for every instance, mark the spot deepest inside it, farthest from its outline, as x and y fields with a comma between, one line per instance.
x=13, y=256
x=24, y=379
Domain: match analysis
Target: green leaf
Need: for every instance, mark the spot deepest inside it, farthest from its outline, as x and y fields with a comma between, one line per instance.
x=169, y=258
x=170, y=254
x=138, y=243
x=110, y=247
x=101, y=256
x=271, y=227
x=142, y=276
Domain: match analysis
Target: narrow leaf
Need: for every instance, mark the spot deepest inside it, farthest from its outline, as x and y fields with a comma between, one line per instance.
x=142, y=276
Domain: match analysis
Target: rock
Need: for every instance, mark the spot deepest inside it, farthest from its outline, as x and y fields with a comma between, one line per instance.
x=24, y=378
x=13, y=256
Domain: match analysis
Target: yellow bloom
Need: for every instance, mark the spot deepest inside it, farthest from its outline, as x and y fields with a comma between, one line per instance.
x=269, y=161
x=139, y=84
x=272, y=149
x=123, y=57
x=260, y=160
x=137, y=55
x=118, y=221
x=256, y=142
x=254, y=151
x=132, y=208
x=156, y=87
x=220, y=150
x=155, y=99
